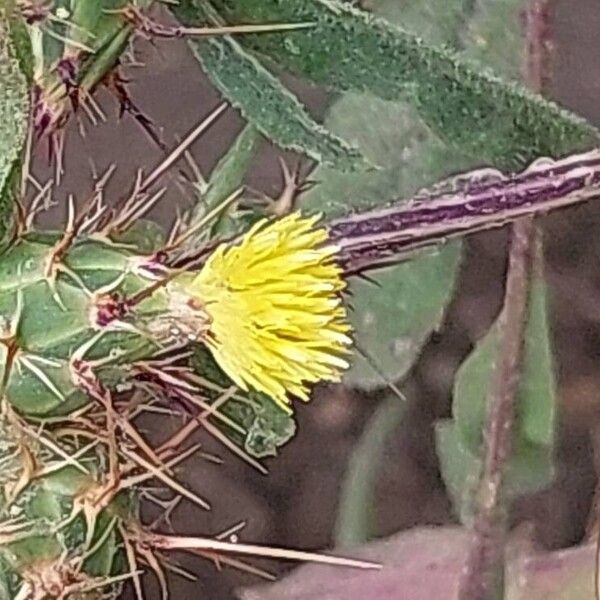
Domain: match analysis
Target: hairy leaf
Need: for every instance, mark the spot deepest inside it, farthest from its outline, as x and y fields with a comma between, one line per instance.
x=348, y=49
x=265, y=102
x=14, y=108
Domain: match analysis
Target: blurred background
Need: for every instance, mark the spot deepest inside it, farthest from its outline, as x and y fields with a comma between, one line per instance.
x=296, y=504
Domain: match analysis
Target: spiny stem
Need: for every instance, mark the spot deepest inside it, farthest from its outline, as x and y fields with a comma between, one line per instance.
x=482, y=575
x=471, y=202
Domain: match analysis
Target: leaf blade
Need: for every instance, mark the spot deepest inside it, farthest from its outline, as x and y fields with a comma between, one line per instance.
x=494, y=121
x=460, y=440
x=14, y=110
x=265, y=103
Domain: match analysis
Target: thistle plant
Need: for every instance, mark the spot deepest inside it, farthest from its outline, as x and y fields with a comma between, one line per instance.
x=241, y=307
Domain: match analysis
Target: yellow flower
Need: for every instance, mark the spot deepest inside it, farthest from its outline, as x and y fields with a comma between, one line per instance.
x=277, y=319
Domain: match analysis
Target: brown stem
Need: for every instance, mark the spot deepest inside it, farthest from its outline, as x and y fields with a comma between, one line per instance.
x=483, y=570
x=538, y=39
x=481, y=574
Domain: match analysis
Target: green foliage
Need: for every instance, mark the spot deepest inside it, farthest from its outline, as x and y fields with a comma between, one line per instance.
x=394, y=318
x=14, y=107
x=416, y=110
x=225, y=179
x=266, y=103
x=355, y=516
x=391, y=135
x=228, y=174
x=349, y=50
x=256, y=423
x=460, y=440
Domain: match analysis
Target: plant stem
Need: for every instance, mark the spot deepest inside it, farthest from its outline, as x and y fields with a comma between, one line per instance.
x=474, y=201
x=483, y=570
x=481, y=574
x=539, y=44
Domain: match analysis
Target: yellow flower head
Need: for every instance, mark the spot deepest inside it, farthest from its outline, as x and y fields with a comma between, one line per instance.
x=277, y=323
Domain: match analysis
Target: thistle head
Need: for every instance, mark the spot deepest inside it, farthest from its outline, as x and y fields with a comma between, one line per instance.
x=277, y=322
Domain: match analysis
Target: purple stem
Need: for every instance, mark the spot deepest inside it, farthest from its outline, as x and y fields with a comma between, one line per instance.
x=472, y=202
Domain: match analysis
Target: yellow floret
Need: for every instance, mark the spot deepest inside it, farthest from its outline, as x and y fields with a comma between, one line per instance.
x=277, y=319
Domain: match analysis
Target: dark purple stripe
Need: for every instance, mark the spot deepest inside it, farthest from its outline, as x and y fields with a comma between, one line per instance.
x=473, y=203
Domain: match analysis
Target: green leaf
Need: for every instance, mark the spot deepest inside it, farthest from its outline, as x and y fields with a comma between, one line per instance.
x=390, y=134
x=460, y=440
x=348, y=49
x=494, y=35
x=14, y=110
x=225, y=179
x=392, y=321
x=228, y=174
x=266, y=103
x=437, y=21
x=257, y=423
x=356, y=509
x=461, y=469
x=537, y=387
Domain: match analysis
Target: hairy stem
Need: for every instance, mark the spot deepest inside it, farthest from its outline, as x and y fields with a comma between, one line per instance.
x=483, y=570
x=471, y=202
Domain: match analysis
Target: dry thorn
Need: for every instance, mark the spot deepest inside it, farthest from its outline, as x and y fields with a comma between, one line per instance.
x=187, y=543
x=170, y=482
x=138, y=203
x=131, y=559
x=151, y=28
